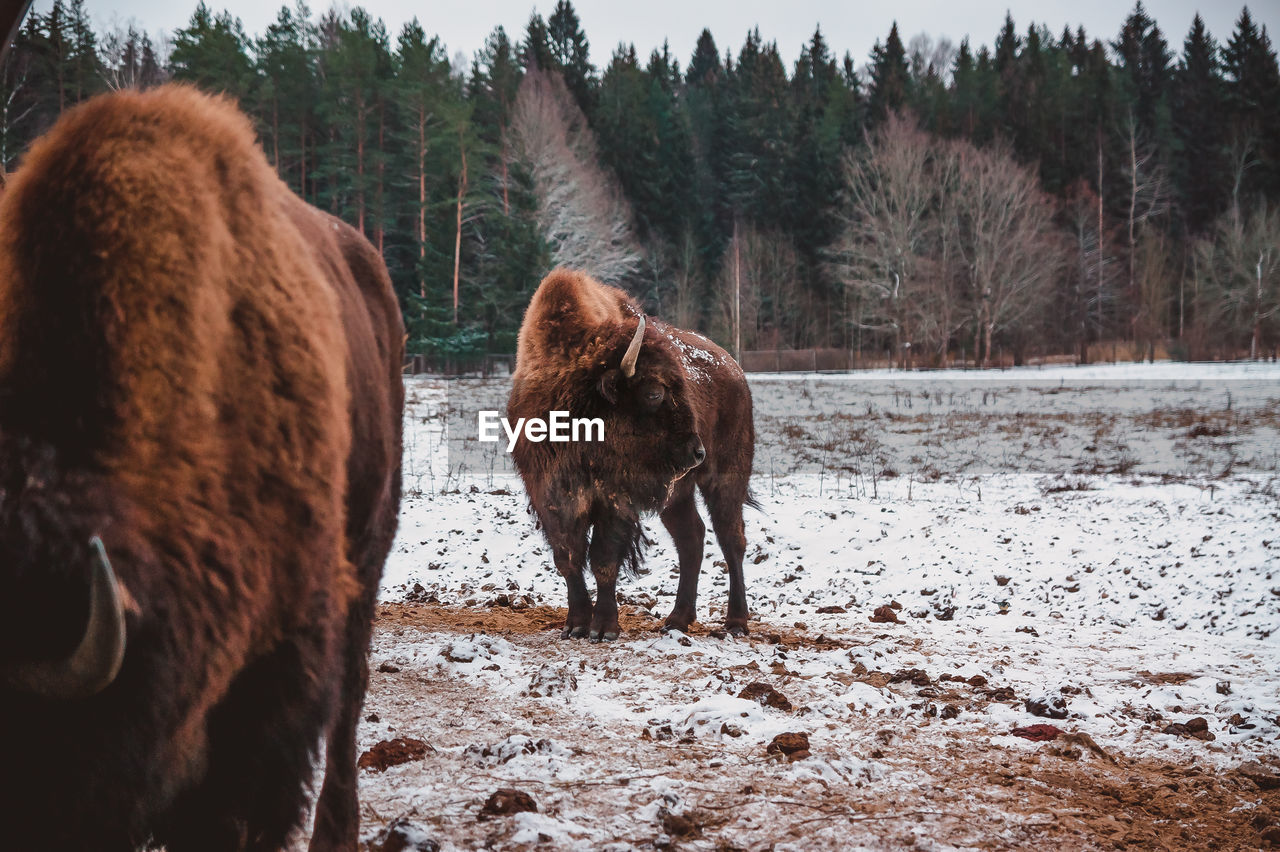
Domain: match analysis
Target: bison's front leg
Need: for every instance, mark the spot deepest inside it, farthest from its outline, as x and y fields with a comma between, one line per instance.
x=568, y=540
x=611, y=541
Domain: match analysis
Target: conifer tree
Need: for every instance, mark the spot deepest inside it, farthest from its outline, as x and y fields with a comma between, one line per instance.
x=890, y=79
x=1200, y=167
x=212, y=51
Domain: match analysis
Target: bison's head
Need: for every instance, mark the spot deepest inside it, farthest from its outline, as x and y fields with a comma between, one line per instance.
x=654, y=422
x=62, y=622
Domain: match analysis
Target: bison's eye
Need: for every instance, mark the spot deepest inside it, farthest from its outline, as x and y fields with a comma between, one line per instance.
x=654, y=395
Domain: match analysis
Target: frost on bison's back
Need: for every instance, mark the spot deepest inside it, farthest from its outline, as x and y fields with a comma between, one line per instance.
x=203, y=372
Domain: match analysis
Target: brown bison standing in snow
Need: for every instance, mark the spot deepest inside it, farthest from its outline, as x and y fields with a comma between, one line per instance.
x=200, y=402
x=677, y=414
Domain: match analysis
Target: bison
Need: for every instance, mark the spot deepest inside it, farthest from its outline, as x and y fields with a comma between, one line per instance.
x=677, y=414
x=200, y=415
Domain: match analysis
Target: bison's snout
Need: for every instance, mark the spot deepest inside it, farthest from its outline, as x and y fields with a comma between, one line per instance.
x=695, y=453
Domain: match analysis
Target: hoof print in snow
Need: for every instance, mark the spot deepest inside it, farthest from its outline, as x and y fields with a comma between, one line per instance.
x=1265, y=777
x=403, y=836
x=1037, y=733
x=1048, y=706
x=388, y=668
x=731, y=730
x=885, y=615
x=508, y=800
x=949, y=711
x=766, y=695
x=394, y=752
x=792, y=746
x=1197, y=728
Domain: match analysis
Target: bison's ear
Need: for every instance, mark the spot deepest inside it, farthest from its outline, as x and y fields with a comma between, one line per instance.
x=609, y=385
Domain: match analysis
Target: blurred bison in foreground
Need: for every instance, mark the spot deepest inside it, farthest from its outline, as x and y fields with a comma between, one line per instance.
x=200, y=402
x=677, y=414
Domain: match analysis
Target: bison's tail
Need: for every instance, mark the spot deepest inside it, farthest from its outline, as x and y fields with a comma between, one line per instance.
x=635, y=553
x=753, y=502
x=633, y=550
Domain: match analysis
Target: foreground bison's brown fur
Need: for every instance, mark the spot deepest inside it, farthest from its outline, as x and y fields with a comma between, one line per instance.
x=203, y=371
x=687, y=400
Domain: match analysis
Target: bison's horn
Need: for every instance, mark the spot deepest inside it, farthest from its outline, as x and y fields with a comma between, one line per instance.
x=96, y=661
x=633, y=351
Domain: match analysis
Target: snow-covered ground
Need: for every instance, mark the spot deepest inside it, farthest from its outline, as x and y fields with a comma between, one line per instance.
x=1119, y=558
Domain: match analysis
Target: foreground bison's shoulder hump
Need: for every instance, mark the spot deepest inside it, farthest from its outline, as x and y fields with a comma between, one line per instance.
x=153, y=266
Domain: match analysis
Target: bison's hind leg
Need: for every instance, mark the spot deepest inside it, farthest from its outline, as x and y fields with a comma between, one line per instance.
x=724, y=502
x=262, y=741
x=687, y=531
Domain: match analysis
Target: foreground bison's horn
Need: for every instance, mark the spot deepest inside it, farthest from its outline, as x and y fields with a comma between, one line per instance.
x=633, y=351
x=95, y=662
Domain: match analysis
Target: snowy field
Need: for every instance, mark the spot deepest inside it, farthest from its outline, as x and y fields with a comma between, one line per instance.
x=938, y=562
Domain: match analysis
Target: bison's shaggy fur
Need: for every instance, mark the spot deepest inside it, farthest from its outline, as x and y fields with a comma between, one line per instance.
x=203, y=371
x=686, y=400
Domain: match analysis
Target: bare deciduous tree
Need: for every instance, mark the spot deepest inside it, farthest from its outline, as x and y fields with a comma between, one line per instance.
x=14, y=68
x=939, y=235
x=884, y=254
x=583, y=216
x=1239, y=279
x=1008, y=237
x=759, y=277
x=1146, y=185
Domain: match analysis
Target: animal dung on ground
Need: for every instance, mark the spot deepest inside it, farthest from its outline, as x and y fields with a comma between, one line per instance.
x=885, y=615
x=794, y=746
x=393, y=752
x=404, y=835
x=1048, y=706
x=508, y=800
x=766, y=695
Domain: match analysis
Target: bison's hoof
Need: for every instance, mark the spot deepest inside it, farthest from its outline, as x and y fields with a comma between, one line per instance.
x=573, y=632
x=606, y=636
x=669, y=625
x=737, y=629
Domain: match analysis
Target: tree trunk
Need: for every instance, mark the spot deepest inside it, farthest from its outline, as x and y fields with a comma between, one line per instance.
x=302, y=163
x=506, y=201
x=1257, y=311
x=360, y=165
x=382, y=124
x=1100, y=285
x=1133, y=211
x=422, y=198
x=275, y=133
x=457, y=239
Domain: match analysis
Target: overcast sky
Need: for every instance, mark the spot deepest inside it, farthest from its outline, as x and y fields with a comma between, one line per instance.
x=851, y=25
